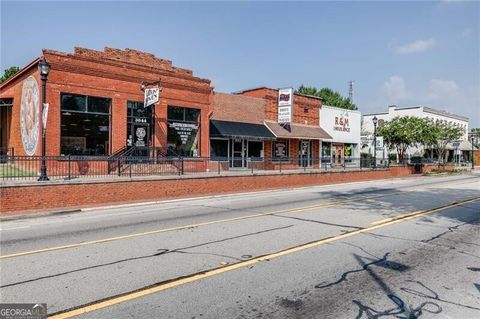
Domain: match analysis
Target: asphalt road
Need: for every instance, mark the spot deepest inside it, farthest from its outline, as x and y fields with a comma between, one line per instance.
x=398, y=248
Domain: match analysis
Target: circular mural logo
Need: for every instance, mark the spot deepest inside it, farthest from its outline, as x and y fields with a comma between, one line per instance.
x=30, y=115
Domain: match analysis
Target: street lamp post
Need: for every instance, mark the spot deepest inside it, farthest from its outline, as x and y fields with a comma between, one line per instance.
x=375, y=121
x=44, y=69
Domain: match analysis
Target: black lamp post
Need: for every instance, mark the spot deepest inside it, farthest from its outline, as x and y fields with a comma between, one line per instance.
x=375, y=121
x=43, y=69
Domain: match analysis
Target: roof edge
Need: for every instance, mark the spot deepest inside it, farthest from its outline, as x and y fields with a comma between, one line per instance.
x=21, y=72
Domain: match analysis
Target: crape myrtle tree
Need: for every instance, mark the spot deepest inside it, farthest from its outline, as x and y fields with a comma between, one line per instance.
x=402, y=132
x=444, y=135
x=328, y=96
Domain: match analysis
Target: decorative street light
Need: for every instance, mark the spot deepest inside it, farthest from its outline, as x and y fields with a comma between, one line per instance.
x=375, y=121
x=43, y=69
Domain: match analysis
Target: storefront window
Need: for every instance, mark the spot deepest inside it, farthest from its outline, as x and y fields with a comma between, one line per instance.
x=219, y=149
x=85, y=123
x=183, y=131
x=255, y=149
x=281, y=150
x=348, y=152
x=326, y=152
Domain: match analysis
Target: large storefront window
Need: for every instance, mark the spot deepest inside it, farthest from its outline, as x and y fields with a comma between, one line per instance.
x=326, y=152
x=183, y=131
x=348, y=152
x=281, y=150
x=219, y=149
x=85, y=125
x=255, y=150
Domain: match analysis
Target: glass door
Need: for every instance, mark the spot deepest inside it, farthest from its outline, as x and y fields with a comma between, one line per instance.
x=238, y=153
x=337, y=155
x=305, y=153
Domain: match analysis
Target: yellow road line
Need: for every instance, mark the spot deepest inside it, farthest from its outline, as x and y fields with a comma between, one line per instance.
x=216, y=271
x=163, y=230
x=158, y=231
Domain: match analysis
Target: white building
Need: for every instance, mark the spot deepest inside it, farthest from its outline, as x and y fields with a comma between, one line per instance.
x=422, y=112
x=344, y=126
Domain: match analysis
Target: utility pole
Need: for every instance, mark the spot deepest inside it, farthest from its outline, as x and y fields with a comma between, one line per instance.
x=350, y=91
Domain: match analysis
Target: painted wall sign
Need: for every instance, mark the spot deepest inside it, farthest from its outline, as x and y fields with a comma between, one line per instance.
x=342, y=123
x=30, y=115
x=285, y=102
x=344, y=126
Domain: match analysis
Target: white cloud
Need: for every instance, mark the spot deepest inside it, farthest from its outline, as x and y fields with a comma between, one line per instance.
x=414, y=47
x=395, y=89
x=442, y=89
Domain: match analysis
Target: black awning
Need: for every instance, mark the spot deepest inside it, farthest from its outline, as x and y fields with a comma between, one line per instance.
x=229, y=129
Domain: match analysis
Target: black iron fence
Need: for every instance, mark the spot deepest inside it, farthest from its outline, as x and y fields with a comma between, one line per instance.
x=77, y=167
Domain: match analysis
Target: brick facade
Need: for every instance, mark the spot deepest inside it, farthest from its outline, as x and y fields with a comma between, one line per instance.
x=115, y=74
x=238, y=108
x=305, y=111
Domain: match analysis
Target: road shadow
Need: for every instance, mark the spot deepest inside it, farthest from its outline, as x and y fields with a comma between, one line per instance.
x=392, y=202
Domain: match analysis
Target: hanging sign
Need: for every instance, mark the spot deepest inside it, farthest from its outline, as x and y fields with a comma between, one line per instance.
x=285, y=102
x=151, y=96
x=45, y=115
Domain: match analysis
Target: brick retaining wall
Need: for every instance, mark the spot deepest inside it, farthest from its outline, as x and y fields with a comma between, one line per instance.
x=37, y=197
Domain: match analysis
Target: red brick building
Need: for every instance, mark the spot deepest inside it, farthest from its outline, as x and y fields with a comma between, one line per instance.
x=300, y=138
x=237, y=130
x=96, y=105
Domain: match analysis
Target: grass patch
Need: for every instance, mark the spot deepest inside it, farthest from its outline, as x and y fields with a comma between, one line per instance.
x=10, y=170
x=438, y=171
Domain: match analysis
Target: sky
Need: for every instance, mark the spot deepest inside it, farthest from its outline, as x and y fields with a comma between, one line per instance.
x=405, y=53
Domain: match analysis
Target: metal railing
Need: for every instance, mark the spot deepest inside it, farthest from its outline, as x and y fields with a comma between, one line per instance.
x=130, y=164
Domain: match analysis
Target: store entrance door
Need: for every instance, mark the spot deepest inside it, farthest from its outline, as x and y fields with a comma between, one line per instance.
x=305, y=153
x=140, y=135
x=238, y=154
x=337, y=155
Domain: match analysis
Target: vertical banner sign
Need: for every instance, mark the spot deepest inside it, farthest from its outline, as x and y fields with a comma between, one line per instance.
x=285, y=102
x=151, y=96
x=45, y=115
x=30, y=115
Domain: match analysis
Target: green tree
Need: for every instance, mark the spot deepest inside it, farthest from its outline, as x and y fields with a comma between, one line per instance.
x=329, y=97
x=8, y=73
x=402, y=132
x=444, y=135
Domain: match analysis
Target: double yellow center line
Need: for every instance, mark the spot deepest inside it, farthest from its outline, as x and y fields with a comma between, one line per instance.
x=223, y=269
x=163, y=230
